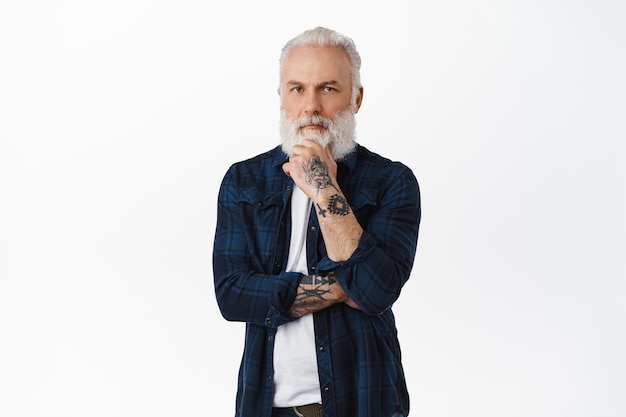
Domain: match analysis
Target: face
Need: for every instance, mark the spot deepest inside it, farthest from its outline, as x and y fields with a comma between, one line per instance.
x=316, y=98
x=316, y=80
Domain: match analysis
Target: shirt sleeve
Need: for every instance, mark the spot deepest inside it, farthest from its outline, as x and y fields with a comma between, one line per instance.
x=245, y=291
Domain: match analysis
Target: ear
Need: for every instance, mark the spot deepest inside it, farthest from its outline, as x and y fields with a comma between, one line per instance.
x=359, y=99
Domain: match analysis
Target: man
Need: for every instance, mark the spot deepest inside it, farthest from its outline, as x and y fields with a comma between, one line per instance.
x=314, y=241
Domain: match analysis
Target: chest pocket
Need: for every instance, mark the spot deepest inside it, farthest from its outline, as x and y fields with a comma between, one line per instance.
x=261, y=214
x=363, y=204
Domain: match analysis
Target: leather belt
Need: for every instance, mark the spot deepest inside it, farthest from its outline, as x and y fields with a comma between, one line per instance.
x=311, y=410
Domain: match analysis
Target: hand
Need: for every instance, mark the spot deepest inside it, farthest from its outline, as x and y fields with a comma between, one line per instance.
x=312, y=168
x=317, y=292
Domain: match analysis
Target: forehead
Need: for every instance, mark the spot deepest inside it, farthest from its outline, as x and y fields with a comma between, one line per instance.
x=316, y=63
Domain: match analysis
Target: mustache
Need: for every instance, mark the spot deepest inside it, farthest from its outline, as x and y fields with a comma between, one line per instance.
x=316, y=119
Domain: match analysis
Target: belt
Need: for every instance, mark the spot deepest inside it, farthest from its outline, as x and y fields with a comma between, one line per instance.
x=311, y=410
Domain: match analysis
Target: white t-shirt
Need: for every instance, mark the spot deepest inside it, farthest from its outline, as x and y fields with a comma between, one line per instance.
x=296, y=380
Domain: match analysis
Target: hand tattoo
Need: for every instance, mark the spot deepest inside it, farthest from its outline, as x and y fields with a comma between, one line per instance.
x=311, y=294
x=317, y=175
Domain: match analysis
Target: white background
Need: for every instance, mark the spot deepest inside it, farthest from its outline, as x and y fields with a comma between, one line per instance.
x=119, y=118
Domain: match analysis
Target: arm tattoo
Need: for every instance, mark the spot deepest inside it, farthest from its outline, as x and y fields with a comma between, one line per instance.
x=311, y=293
x=322, y=212
x=318, y=279
x=338, y=205
x=317, y=174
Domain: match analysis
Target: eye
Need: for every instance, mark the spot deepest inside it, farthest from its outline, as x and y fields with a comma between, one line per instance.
x=329, y=89
x=297, y=89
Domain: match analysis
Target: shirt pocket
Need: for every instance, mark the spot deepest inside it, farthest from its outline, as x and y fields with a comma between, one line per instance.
x=364, y=203
x=260, y=212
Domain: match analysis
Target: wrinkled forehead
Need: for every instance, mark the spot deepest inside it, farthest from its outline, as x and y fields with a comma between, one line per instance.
x=312, y=63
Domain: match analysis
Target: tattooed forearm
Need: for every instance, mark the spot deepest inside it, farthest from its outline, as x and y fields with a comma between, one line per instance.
x=313, y=294
x=338, y=205
x=318, y=279
x=317, y=175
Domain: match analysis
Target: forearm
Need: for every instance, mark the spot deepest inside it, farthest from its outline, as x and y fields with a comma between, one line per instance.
x=339, y=226
x=316, y=176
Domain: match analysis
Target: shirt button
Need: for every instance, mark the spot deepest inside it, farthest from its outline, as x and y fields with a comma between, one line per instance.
x=288, y=188
x=321, y=348
x=326, y=389
x=312, y=228
x=270, y=338
x=269, y=377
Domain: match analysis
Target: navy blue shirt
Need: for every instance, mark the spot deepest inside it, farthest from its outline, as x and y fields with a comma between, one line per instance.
x=358, y=354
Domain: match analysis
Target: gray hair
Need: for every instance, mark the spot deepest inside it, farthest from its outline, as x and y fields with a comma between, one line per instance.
x=321, y=36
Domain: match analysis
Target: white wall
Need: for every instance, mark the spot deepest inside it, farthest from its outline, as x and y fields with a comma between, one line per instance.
x=119, y=118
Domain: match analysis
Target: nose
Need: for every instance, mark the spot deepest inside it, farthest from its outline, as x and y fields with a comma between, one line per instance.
x=313, y=104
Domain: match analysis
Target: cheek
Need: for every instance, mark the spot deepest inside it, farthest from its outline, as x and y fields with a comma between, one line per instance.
x=290, y=107
x=337, y=106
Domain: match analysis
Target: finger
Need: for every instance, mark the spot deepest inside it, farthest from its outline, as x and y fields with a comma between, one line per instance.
x=307, y=142
x=310, y=143
x=286, y=169
x=298, y=149
x=329, y=149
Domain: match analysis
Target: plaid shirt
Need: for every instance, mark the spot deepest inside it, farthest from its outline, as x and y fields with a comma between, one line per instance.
x=358, y=353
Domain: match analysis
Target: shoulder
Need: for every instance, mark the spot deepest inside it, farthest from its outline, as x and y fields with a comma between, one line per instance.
x=264, y=168
x=378, y=165
x=260, y=164
x=272, y=156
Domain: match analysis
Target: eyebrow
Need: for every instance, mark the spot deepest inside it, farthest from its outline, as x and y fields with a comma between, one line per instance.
x=330, y=82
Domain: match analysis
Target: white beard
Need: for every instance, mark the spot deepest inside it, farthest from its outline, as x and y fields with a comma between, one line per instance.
x=341, y=132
